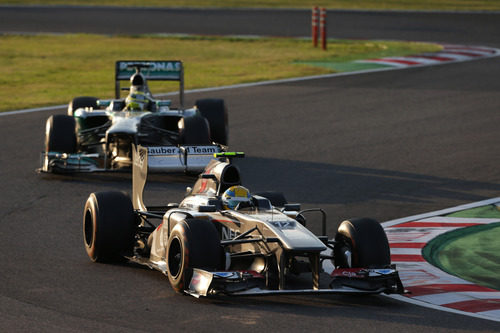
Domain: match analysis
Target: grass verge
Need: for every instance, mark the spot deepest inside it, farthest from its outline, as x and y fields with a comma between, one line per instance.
x=472, y=254
x=465, y=5
x=40, y=70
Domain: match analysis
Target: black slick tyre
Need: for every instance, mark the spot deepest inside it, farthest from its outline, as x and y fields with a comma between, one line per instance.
x=109, y=226
x=365, y=240
x=81, y=102
x=192, y=244
x=60, y=134
x=215, y=111
x=194, y=131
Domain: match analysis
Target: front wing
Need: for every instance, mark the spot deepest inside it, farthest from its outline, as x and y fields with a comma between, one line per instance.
x=189, y=158
x=341, y=281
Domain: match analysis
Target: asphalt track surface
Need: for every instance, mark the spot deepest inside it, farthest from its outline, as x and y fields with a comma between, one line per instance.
x=385, y=145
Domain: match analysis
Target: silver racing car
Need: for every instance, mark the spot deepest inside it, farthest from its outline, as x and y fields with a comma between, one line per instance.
x=97, y=134
x=220, y=239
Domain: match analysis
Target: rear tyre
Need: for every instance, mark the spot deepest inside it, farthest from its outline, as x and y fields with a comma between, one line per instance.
x=60, y=134
x=109, y=226
x=215, y=111
x=192, y=244
x=277, y=198
x=81, y=102
x=365, y=240
x=194, y=131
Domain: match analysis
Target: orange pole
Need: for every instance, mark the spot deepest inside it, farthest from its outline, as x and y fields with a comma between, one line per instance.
x=315, y=26
x=322, y=24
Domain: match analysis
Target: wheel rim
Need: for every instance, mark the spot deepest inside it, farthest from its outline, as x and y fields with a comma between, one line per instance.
x=175, y=257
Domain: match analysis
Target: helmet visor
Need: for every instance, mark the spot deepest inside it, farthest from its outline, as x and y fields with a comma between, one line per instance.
x=233, y=202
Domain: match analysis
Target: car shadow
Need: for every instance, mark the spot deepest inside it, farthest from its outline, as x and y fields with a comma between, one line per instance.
x=315, y=184
x=326, y=307
x=323, y=183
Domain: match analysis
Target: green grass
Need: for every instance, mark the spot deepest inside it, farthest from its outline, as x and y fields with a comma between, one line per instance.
x=40, y=70
x=330, y=4
x=489, y=211
x=472, y=254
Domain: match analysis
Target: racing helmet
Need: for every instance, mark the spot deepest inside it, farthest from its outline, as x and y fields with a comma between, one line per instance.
x=235, y=195
x=138, y=82
x=136, y=101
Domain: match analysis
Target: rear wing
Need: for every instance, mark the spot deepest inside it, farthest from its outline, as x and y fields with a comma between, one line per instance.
x=190, y=159
x=153, y=70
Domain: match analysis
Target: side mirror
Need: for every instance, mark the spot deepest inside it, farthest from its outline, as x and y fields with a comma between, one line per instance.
x=165, y=103
x=207, y=209
x=291, y=207
x=188, y=191
x=103, y=103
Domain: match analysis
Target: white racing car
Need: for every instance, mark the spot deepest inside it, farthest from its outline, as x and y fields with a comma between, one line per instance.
x=97, y=134
x=220, y=239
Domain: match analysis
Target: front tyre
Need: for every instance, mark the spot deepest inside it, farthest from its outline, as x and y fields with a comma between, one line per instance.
x=361, y=243
x=81, y=102
x=215, y=111
x=194, y=131
x=60, y=134
x=109, y=226
x=192, y=244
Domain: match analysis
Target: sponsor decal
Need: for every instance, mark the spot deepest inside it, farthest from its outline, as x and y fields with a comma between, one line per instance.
x=227, y=275
x=361, y=272
x=382, y=271
x=190, y=150
x=155, y=151
x=203, y=186
x=239, y=274
x=284, y=225
x=156, y=66
x=201, y=150
x=200, y=282
x=349, y=272
x=160, y=70
x=195, y=280
x=229, y=233
x=254, y=274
